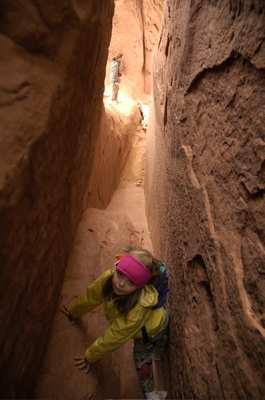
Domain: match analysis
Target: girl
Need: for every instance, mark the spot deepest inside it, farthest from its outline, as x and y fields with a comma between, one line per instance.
x=128, y=297
x=115, y=77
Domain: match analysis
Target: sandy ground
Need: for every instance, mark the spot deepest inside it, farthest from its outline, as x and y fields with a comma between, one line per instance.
x=101, y=234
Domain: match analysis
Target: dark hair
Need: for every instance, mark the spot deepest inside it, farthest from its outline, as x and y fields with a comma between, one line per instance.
x=119, y=55
x=126, y=303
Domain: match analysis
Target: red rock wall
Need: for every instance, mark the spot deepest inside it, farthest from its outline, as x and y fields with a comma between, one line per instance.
x=205, y=193
x=53, y=58
x=118, y=126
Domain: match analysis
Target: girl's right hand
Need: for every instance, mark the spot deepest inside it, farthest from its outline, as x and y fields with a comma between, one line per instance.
x=82, y=363
x=66, y=311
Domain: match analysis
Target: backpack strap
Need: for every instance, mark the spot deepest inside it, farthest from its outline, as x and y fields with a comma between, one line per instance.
x=162, y=288
x=145, y=335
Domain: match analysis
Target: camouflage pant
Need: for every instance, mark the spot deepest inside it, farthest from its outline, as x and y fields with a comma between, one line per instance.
x=142, y=354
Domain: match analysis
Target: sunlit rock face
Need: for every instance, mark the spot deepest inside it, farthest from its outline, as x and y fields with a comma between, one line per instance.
x=50, y=110
x=205, y=186
x=136, y=25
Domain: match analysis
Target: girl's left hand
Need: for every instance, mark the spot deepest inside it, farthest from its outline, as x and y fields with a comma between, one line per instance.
x=66, y=311
x=82, y=363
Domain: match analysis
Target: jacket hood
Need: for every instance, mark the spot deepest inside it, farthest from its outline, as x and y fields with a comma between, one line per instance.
x=149, y=296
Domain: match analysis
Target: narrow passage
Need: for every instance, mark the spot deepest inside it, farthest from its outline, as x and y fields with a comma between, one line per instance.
x=101, y=234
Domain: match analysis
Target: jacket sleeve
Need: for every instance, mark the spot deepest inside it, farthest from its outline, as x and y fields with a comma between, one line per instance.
x=115, y=69
x=119, y=332
x=90, y=299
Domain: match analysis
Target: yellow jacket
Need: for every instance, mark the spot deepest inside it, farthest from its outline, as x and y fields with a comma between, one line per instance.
x=121, y=328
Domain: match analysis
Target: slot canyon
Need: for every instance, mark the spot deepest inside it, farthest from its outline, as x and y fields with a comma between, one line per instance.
x=81, y=179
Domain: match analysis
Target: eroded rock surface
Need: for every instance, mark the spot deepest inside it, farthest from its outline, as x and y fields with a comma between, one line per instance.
x=205, y=185
x=50, y=112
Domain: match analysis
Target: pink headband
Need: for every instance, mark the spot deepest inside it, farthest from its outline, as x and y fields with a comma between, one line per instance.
x=134, y=270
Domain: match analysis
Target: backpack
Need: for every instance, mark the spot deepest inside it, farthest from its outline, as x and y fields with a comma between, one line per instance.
x=162, y=287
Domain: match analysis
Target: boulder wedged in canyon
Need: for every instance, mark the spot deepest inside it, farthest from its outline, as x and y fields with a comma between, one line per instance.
x=205, y=193
x=50, y=113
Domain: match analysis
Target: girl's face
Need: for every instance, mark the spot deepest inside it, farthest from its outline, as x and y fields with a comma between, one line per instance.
x=122, y=285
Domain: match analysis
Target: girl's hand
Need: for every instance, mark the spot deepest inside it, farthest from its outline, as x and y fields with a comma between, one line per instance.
x=66, y=311
x=82, y=363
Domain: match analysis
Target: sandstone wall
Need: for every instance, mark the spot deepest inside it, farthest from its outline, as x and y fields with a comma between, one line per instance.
x=205, y=190
x=53, y=57
x=118, y=126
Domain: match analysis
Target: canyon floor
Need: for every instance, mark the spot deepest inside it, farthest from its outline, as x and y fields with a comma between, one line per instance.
x=101, y=234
